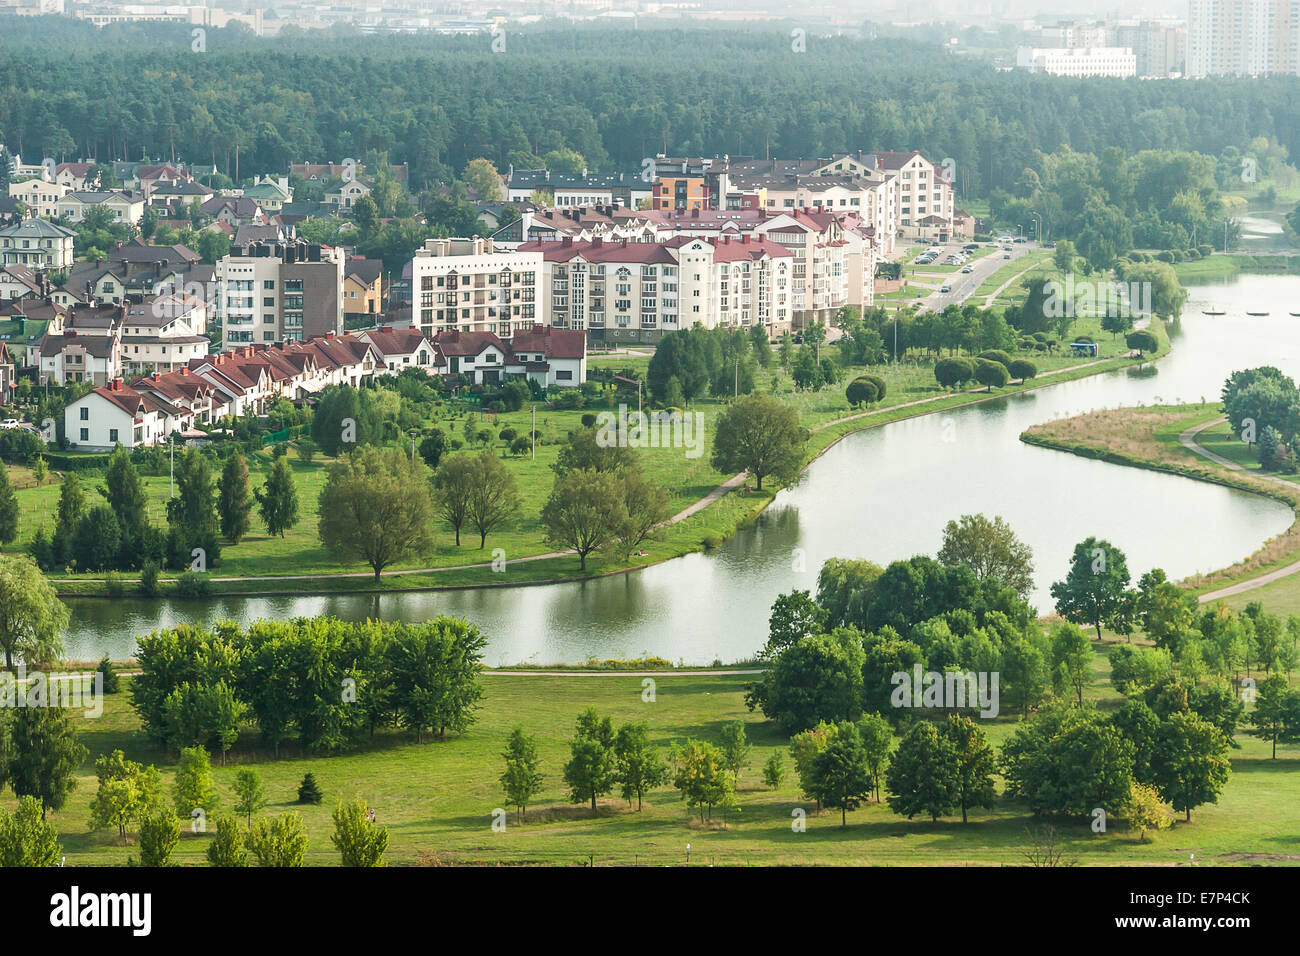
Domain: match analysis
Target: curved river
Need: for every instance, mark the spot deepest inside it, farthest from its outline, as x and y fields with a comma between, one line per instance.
x=880, y=494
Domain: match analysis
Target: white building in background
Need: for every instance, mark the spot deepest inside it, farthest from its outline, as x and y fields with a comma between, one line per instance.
x=471, y=285
x=1243, y=37
x=1107, y=61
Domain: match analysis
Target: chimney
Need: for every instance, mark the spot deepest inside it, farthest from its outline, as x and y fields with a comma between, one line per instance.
x=597, y=242
x=566, y=241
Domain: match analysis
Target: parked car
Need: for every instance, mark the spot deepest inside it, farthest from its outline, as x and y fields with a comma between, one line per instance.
x=1020, y=239
x=10, y=423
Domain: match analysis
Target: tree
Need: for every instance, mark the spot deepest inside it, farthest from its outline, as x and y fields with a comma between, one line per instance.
x=1068, y=759
x=637, y=766
x=127, y=792
x=735, y=748
x=646, y=505
x=841, y=774
x=453, y=489
x=376, y=506
x=494, y=497
x=1142, y=340
x=794, y=616
x=951, y=372
x=1165, y=610
x=591, y=771
x=923, y=775
x=433, y=670
x=160, y=831
x=193, y=788
x=481, y=176
x=124, y=490
x=774, y=770
x=361, y=841
x=585, y=511
x=1146, y=811
x=1022, y=369
x=590, y=449
x=97, y=541
x=1277, y=712
x=521, y=780
x=819, y=678
x=990, y=549
x=1071, y=659
x=702, y=777
x=277, y=499
x=760, y=435
x=42, y=754
x=227, y=847
x=975, y=764
x=990, y=373
x=32, y=617
x=433, y=447
x=234, y=499
x=26, y=838
x=192, y=514
x=308, y=790
x=72, y=505
x=281, y=841
x=1095, y=591
x=861, y=391
x=8, y=509
x=1190, y=761
x=878, y=741
x=250, y=796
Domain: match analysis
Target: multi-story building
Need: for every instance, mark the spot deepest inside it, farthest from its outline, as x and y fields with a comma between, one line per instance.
x=39, y=196
x=122, y=206
x=1243, y=37
x=40, y=245
x=471, y=285
x=279, y=292
x=1096, y=61
x=164, y=333
x=577, y=189
x=88, y=349
x=683, y=182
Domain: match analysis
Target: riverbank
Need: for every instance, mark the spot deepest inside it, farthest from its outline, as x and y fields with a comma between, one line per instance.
x=1163, y=438
x=1221, y=267
x=701, y=522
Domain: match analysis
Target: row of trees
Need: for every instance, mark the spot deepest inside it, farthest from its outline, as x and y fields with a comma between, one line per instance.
x=324, y=681
x=1263, y=407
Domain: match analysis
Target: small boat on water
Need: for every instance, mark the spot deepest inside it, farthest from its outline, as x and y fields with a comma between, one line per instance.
x=1212, y=312
x=1295, y=313
x=1257, y=313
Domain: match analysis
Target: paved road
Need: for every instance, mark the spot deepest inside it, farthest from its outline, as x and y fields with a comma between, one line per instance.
x=964, y=286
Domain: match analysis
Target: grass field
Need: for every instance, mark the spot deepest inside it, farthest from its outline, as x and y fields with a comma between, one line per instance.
x=438, y=798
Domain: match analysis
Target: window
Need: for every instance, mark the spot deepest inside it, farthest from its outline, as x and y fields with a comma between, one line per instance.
x=85, y=413
x=112, y=435
x=85, y=434
x=268, y=284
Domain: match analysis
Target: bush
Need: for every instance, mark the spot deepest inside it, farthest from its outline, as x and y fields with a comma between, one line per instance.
x=19, y=446
x=990, y=373
x=112, y=683
x=711, y=541
x=193, y=584
x=113, y=584
x=1022, y=369
x=861, y=391
x=520, y=446
x=1142, y=340
x=879, y=382
x=1205, y=249
x=996, y=355
x=309, y=791
x=951, y=372
x=588, y=420
x=149, y=579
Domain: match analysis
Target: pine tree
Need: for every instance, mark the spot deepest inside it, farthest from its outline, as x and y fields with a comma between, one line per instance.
x=234, y=498
x=8, y=509
x=308, y=791
x=277, y=499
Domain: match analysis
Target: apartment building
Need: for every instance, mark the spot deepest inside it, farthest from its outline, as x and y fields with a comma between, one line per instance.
x=474, y=286
x=577, y=189
x=269, y=292
x=1097, y=61
x=1243, y=37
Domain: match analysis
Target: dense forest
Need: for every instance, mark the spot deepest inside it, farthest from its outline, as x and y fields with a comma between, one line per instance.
x=615, y=95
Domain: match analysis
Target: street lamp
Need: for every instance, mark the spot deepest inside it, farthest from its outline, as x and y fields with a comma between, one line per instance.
x=413, y=433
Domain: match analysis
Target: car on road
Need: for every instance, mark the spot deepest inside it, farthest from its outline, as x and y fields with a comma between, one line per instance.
x=1020, y=239
x=945, y=288
x=967, y=269
x=1006, y=255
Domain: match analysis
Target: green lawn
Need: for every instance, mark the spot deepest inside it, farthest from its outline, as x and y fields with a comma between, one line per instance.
x=437, y=798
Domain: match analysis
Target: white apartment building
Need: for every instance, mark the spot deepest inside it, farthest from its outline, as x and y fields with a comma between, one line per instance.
x=473, y=286
x=1104, y=61
x=1243, y=37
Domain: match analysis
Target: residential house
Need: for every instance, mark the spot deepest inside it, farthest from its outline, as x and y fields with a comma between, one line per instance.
x=39, y=196
x=401, y=348
x=40, y=245
x=122, y=206
x=362, y=288
x=270, y=194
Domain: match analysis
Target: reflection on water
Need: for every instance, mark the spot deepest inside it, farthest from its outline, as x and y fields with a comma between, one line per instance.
x=879, y=494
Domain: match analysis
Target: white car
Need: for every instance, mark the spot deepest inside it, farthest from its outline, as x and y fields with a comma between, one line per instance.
x=967, y=269
x=10, y=423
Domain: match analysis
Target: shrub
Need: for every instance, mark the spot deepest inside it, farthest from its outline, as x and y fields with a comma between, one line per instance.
x=1142, y=340
x=149, y=579
x=711, y=541
x=996, y=355
x=309, y=791
x=588, y=420
x=112, y=683
x=1022, y=369
x=951, y=372
x=990, y=373
x=861, y=391
x=520, y=446
x=879, y=382
x=193, y=584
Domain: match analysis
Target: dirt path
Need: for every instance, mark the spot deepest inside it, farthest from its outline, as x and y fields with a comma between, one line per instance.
x=1187, y=438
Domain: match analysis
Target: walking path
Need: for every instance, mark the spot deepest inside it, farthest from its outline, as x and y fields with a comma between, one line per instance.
x=1187, y=438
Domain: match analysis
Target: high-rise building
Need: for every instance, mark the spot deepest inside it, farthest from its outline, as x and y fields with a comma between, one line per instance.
x=272, y=292
x=1243, y=37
